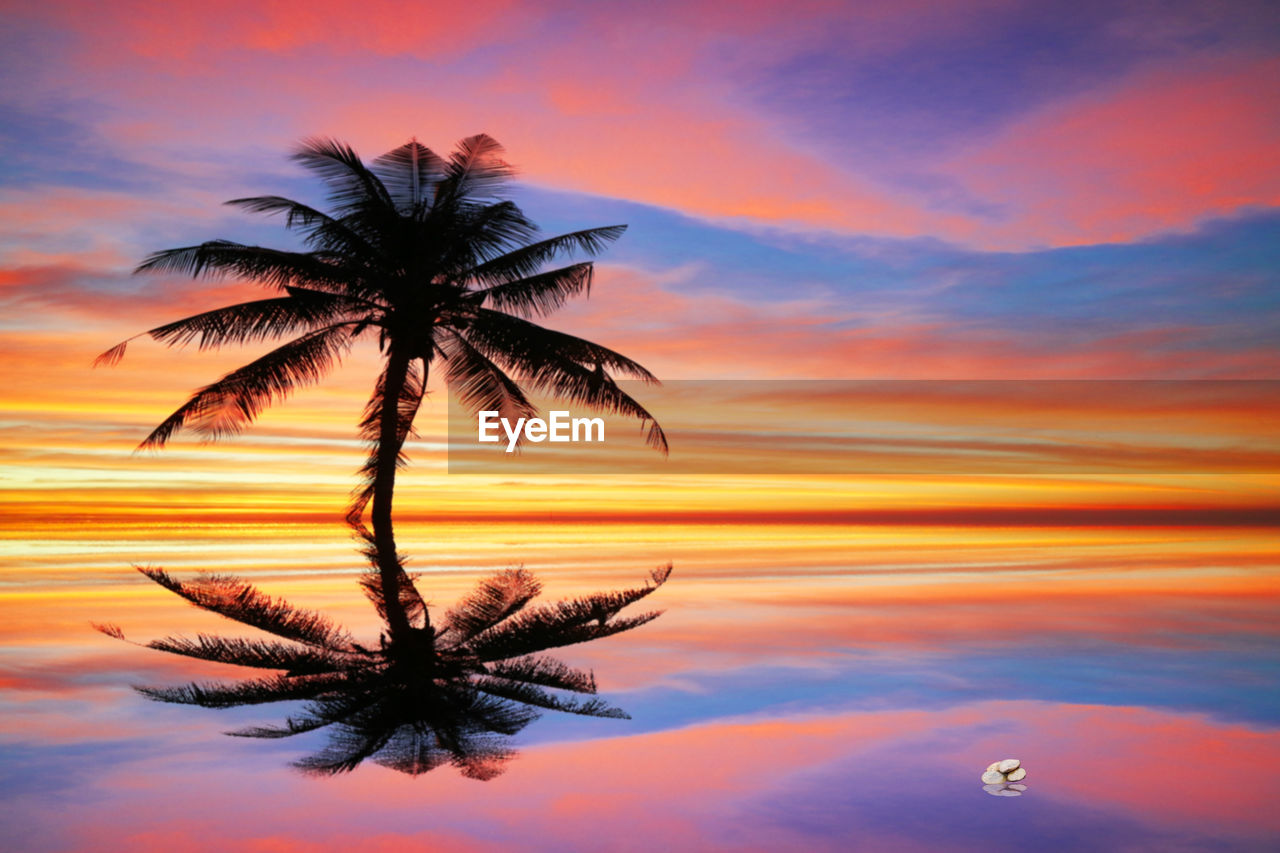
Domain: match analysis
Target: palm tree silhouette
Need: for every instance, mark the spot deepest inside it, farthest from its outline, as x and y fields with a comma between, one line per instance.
x=423, y=697
x=422, y=253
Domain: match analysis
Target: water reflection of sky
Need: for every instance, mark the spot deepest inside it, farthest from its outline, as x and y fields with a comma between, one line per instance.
x=778, y=710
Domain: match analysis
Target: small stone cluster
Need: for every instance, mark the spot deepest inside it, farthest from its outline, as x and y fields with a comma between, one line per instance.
x=1008, y=770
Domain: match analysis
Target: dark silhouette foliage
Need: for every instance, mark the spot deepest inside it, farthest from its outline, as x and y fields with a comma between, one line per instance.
x=446, y=694
x=422, y=254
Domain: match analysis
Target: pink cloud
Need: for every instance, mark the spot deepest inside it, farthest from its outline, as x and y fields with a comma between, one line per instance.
x=173, y=31
x=709, y=786
x=656, y=108
x=1160, y=151
x=620, y=107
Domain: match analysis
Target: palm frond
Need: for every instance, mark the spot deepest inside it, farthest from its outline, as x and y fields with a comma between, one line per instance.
x=321, y=230
x=494, y=599
x=413, y=752
x=260, y=654
x=477, y=755
x=113, y=356
x=240, y=601
x=475, y=170
x=546, y=672
x=463, y=236
x=537, y=697
x=262, y=319
x=541, y=294
x=260, y=691
x=597, y=390
x=409, y=174
x=528, y=260
x=352, y=186
x=482, y=766
x=538, y=630
x=565, y=623
x=326, y=710
x=296, y=214
x=234, y=401
x=480, y=712
x=479, y=384
x=111, y=630
x=455, y=723
x=348, y=746
x=292, y=726
x=270, y=267
x=529, y=347
x=553, y=363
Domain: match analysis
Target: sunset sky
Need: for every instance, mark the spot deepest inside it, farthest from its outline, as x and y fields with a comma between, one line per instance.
x=977, y=190
x=826, y=190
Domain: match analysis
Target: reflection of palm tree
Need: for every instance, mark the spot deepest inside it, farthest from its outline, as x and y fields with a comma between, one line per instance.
x=423, y=697
x=420, y=252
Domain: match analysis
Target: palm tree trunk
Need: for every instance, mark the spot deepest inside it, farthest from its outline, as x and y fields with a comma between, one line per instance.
x=384, y=484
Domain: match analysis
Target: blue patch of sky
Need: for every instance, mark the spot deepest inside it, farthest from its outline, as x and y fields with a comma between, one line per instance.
x=47, y=134
x=1224, y=273
x=46, y=147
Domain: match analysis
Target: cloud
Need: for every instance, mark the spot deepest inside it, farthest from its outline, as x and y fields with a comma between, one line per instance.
x=1158, y=152
x=683, y=326
x=1001, y=128
x=783, y=782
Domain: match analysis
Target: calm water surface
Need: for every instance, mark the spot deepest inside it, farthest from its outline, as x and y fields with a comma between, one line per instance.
x=808, y=688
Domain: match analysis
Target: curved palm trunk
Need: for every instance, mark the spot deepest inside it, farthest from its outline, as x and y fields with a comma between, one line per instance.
x=384, y=483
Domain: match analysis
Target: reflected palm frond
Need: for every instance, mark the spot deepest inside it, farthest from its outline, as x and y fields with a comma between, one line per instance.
x=449, y=693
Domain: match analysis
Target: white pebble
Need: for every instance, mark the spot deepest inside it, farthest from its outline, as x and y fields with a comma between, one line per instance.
x=1008, y=764
x=1018, y=775
x=993, y=777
